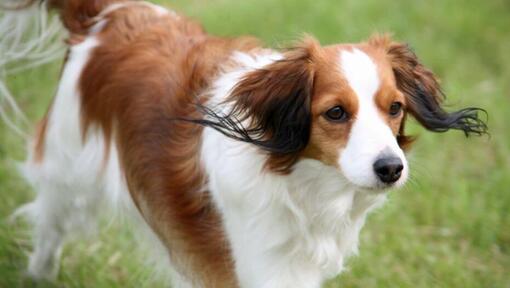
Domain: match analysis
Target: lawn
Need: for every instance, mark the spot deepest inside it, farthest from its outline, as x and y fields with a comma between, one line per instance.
x=449, y=227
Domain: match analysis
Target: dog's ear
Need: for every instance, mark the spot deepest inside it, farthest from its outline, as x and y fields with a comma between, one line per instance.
x=423, y=93
x=271, y=107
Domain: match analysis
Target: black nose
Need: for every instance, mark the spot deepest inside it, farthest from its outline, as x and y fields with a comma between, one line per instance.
x=389, y=169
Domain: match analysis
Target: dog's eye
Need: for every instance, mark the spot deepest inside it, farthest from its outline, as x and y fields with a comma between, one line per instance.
x=336, y=114
x=395, y=109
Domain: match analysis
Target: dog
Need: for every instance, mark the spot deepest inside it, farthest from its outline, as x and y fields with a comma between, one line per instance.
x=249, y=166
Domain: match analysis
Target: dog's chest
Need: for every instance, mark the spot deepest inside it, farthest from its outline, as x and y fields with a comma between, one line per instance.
x=309, y=220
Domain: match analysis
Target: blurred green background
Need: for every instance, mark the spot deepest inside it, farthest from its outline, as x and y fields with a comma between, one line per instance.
x=450, y=227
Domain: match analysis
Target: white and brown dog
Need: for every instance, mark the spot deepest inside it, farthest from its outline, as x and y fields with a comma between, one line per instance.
x=252, y=167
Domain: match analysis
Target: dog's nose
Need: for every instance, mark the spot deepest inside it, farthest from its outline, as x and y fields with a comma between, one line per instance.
x=388, y=169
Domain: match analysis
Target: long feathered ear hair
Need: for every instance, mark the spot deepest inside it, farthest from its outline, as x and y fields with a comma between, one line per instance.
x=423, y=93
x=270, y=108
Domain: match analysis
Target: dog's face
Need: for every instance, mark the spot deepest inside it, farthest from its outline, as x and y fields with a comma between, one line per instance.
x=357, y=114
x=343, y=105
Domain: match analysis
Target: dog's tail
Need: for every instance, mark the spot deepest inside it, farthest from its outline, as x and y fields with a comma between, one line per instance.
x=32, y=35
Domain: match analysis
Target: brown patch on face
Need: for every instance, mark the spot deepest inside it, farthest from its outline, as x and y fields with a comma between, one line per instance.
x=328, y=138
x=384, y=99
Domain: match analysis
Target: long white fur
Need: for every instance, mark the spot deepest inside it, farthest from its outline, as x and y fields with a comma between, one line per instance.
x=66, y=179
x=29, y=38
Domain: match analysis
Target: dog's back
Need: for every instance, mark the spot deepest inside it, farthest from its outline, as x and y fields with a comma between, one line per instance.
x=132, y=70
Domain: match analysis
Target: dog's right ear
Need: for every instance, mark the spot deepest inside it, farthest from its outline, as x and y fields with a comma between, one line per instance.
x=271, y=107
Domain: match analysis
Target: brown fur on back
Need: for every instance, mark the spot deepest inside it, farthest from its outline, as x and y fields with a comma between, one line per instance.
x=148, y=71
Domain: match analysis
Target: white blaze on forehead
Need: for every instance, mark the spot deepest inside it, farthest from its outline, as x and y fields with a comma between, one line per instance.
x=370, y=135
x=361, y=73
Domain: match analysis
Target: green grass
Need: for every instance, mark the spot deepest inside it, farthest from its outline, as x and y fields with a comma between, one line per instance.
x=450, y=227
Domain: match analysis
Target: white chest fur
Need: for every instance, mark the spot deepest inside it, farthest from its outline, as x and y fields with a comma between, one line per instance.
x=284, y=230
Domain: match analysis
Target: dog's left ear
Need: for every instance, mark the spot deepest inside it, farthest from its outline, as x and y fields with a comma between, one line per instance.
x=423, y=93
x=271, y=107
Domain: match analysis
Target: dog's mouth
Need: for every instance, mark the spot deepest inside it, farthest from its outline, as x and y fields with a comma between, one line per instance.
x=379, y=187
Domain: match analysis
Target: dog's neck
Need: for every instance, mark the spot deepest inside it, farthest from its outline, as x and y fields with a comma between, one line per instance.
x=310, y=216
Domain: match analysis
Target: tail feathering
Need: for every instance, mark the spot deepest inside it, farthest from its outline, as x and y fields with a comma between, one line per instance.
x=29, y=37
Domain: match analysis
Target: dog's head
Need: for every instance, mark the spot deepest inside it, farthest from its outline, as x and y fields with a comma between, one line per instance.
x=343, y=105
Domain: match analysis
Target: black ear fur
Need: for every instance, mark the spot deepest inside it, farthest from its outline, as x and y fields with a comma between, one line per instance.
x=270, y=109
x=424, y=96
x=434, y=118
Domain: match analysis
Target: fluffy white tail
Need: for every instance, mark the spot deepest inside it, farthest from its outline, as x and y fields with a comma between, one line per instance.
x=29, y=36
